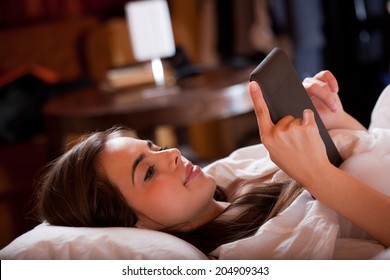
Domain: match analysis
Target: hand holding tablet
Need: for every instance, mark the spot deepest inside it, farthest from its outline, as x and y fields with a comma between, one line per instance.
x=285, y=95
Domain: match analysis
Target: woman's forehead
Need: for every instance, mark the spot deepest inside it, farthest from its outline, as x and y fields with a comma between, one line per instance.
x=121, y=142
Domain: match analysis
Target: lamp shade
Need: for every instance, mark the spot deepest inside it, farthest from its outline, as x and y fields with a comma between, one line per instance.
x=150, y=29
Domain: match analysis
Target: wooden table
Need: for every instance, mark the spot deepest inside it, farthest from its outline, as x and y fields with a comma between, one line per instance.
x=213, y=95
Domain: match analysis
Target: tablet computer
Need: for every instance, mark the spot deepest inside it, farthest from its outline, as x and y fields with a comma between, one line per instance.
x=285, y=95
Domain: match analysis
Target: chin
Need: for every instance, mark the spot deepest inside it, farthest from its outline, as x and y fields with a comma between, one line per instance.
x=209, y=179
x=204, y=179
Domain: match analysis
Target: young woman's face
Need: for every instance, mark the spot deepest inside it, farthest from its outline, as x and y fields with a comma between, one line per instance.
x=164, y=188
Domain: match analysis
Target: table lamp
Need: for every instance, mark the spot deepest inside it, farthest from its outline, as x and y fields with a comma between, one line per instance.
x=150, y=29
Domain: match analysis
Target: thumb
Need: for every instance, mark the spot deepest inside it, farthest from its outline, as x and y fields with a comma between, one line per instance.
x=262, y=113
x=308, y=118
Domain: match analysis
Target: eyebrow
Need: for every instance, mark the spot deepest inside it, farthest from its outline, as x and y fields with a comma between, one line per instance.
x=139, y=159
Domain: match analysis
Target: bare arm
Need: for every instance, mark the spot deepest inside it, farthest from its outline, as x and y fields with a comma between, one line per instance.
x=364, y=206
x=296, y=147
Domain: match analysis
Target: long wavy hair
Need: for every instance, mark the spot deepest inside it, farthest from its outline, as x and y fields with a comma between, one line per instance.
x=75, y=192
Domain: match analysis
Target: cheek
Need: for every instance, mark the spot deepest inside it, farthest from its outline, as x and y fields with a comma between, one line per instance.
x=170, y=202
x=167, y=208
x=165, y=193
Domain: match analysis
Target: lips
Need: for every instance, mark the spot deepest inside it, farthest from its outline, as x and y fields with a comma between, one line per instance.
x=191, y=172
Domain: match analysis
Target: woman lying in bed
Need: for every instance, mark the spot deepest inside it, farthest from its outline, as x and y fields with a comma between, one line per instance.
x=114, y=179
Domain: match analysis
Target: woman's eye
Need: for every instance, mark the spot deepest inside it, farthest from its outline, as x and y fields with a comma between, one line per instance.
x=162, y=149
x=149, y=173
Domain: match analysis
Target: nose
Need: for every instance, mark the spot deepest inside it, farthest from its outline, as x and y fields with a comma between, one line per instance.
x=171, y=158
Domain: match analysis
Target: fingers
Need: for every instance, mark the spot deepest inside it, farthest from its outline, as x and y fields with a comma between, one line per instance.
x=327, y=77
x=324, y=87
x=307, y=119
x=261, y=109
x=262, y=113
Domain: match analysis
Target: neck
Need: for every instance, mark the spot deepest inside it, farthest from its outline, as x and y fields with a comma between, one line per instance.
x=215, y=210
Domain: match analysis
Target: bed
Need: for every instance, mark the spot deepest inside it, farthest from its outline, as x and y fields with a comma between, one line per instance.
x=305, y=230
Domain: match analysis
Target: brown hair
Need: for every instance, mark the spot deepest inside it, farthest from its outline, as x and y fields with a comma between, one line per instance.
x=75, y=192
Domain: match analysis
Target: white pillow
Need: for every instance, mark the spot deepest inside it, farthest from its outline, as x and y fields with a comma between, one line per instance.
x=54, y=242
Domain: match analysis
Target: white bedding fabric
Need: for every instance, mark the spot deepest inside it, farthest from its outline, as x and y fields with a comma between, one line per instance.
x=305, y=230
x=308, y=229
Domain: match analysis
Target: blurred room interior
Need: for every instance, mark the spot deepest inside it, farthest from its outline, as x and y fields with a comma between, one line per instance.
x=50, y=49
